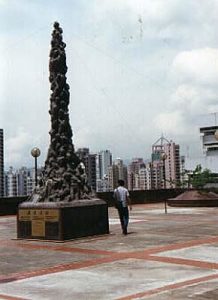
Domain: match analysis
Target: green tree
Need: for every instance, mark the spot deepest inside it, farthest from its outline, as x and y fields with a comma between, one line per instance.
x=200, y=177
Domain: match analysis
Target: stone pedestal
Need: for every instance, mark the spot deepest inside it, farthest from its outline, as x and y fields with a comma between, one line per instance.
x=62, y=221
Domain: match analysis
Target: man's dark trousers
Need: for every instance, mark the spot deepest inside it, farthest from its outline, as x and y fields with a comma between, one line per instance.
x=124, y=217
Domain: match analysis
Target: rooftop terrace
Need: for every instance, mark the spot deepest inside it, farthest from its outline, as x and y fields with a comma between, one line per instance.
x=164, y=256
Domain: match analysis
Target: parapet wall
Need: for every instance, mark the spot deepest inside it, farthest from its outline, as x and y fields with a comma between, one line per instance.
x=9, y=205
x=147, y=196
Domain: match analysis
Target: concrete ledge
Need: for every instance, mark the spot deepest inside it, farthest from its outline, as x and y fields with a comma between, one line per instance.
x=143, y=196
x=75, y=203
x=193, y=203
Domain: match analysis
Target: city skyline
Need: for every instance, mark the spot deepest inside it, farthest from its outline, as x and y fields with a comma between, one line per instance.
x=103, y=172
x=207, y=162
x=135, y=69
x=147, y=157
x=98, y=152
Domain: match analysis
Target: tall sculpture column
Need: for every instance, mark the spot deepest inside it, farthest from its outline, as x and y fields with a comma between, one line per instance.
x=63, y=176
x=60, y=208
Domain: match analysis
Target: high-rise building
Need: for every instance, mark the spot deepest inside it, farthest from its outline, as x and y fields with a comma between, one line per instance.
x=89, y=161
x=30, y=181
x=117, y=171
x=92, y=171
x=183, y=175
x=20, y=182
x=157, y=174
x=122, y=169
x=172, y=165
x=144, y=178
x=165, y=164
x=209, y=137
x=133, y=173
x=113, y=177
x=103, y=162
x=209, y=140
x=22, y=175
x=11, y=183
x=1, y=163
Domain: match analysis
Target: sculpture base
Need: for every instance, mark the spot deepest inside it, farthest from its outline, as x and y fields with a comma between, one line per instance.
x=62, y=221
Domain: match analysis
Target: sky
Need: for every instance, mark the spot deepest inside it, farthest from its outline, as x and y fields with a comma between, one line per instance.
x=137, y=69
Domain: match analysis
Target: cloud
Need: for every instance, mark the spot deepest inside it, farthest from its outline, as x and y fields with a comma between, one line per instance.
x=194, y=74
x=16, y=146
x=168, y=20
x=171, y=123
x=199, y=66
x=194, y=99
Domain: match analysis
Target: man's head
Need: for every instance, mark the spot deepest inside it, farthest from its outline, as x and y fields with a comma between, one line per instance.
x=121, y=182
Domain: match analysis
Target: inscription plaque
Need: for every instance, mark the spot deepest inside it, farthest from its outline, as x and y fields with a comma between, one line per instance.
x=24, y=215
x=39, y=220
x=48, y=215
x=38, y=228
x=51, y=215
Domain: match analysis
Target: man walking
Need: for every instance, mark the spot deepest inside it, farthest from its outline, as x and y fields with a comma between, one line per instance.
x=121, y=196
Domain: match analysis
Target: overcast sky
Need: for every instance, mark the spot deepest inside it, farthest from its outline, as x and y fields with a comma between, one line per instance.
x=136, y=69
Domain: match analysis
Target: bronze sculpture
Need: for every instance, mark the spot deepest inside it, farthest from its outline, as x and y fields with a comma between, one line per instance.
x=61, y=207
x=64, y=176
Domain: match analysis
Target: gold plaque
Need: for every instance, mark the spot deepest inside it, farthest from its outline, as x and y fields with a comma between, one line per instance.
x=37, y=214
x=48, y=215
x=24, y=215
x=51, y=215
x=38, y=228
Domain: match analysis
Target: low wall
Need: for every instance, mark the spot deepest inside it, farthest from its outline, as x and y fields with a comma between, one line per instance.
x=193, y=203
x=147, y=196
x=9, y=205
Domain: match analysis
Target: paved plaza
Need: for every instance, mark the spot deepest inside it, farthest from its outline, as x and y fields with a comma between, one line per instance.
x=164, y=256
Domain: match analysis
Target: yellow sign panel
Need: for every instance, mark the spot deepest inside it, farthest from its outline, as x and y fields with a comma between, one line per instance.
x=48, y=215
x=37, y=214
x=51, y=215
x=38, y=228
x=24, y=215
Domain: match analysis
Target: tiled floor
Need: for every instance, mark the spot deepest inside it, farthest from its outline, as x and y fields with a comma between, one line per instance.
x=164, y=256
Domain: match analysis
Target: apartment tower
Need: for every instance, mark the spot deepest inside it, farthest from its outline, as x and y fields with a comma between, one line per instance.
x=1, y=163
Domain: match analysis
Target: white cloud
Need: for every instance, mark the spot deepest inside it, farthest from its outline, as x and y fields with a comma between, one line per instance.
x=15, y=146
x=198, y=65
x=195, y=93
x=194, y=99
x=195, y=73
x=171, y=123
x=18, y=147
x=157, y=11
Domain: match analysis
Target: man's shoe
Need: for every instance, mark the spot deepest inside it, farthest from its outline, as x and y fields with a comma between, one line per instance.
x=125, y=231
